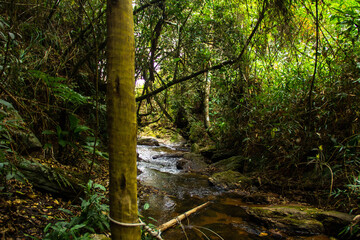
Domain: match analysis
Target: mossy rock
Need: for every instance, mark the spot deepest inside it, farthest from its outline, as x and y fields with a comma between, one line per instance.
x=196, y=162
x=230, y=180
x=235, y=163
x=53, y=180
x=148, y=142
x=222, y=154
x=208, y=151
x=195, y=148
x=194, y=156
x=300, y=220
x=99, y=237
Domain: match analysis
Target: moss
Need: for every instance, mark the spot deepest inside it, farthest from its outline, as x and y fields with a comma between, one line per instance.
x=235, y=163
x=230, y=180
x=99, y=237
x=195, y=148
x=301, y=219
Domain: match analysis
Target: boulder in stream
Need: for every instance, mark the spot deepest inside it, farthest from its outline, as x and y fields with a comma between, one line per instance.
x=182, y=164
x=300, y=220
x=193, y=162
x=216, y=155
x=148, y=142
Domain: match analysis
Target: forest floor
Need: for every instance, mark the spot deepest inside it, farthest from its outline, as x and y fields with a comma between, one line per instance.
x=26, y=211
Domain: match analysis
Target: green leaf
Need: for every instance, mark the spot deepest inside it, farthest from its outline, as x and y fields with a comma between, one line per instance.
x=74, y=121
x=66, y=211
x=76, y=227
x=99, y=186
x=47, y=146
x=81, y=128
x=47, y=227
x=63, y=143
x=11, y=35
x=146, y=206
x=6, y=104
x=48, y=132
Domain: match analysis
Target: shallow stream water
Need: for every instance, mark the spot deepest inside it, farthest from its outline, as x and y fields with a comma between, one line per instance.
x=224, y=218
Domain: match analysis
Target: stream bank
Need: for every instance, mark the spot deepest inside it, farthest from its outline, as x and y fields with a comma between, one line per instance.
x=187, y=180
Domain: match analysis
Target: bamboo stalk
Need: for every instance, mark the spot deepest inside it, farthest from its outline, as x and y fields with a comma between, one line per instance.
x=181, y=217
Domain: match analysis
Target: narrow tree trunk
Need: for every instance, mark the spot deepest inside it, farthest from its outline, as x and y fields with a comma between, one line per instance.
x=206, y=101
x=121, y=112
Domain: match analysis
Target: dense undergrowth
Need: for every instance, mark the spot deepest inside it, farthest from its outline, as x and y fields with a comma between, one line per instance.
x=270, y=105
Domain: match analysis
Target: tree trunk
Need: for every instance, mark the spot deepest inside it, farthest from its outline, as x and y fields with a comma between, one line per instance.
x=121, y=112
x=206, y=100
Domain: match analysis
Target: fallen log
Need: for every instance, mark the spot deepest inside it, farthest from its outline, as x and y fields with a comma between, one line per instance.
x=181, y=217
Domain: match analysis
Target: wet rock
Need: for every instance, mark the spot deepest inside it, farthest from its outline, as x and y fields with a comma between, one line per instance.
x=230, y=180
x=300, y=220
x=173, y=155
x=148, y=142
x=139, y=159
x=182, y=164
x=208, y=151
x=194, y=156
x=262, y=197
x=216, y=155
x=197, y=163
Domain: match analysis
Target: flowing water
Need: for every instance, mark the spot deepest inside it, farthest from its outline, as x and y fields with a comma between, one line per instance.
x=224, y=218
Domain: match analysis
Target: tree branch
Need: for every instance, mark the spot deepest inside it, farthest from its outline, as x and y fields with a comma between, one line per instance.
x=315, y=67
x=141, y=8
x=218, y=66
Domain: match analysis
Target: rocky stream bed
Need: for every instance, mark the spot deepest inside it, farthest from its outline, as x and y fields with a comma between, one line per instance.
x=239, y=208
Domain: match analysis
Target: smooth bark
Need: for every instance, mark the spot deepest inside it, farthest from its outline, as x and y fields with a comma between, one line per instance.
x=121, y=112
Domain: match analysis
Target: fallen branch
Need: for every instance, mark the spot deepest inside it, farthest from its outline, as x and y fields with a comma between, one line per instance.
x=174, y=221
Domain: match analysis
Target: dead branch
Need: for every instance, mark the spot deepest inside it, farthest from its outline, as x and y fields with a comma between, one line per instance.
x=174, y=221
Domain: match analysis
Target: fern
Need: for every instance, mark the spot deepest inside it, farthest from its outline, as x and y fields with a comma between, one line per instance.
x=60, y=89
x=60, y=179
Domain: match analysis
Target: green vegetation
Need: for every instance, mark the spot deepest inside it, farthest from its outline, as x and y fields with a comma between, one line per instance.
x=92, y=219
x=276, y=82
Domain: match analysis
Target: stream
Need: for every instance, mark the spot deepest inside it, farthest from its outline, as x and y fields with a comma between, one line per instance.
x=224, y=217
